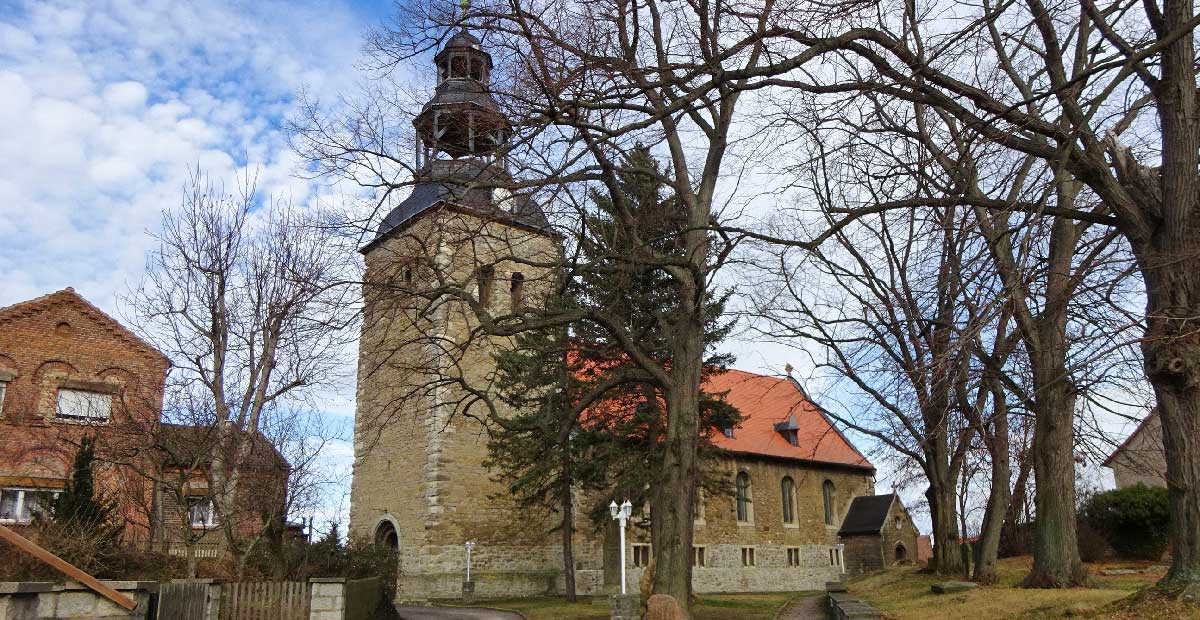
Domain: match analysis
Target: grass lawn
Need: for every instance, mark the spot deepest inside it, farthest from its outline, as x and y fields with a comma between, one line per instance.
x=903, y=594
x=709, y=607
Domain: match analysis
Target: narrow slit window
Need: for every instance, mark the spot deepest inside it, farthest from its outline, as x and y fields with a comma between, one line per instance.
x=487, y=279
x=829, y=495
x=788, y=493
x=747, y=556
x=517, y=291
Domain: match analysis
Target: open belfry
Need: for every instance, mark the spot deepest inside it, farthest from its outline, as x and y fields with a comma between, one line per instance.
x=420, y=481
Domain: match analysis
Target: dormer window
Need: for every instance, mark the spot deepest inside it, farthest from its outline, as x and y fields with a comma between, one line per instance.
x=789, y=430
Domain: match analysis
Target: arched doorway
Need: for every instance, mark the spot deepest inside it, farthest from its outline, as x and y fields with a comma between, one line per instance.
x=386, y=535
x=901, y=553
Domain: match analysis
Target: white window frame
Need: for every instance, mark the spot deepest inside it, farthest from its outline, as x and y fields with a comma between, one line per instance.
x=640, y=549
x=90, y=400
x=3, y=390
x=209, y=521
x=24, y=517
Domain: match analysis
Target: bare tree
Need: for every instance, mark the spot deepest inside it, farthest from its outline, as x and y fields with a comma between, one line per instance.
x=1118, y=84
x=247, y=301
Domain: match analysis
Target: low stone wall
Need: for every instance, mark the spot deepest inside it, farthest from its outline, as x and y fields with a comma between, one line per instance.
x=71, y=601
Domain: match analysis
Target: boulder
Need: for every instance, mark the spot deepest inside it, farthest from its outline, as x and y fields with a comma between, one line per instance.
x=664, y=607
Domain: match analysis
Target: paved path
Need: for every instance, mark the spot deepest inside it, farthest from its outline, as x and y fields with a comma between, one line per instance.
x=424, y=612
x=807, y=608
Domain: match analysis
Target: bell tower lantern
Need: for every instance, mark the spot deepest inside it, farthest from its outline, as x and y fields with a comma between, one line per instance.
x=462, y=120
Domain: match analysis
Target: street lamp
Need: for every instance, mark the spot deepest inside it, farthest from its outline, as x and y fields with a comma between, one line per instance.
x=621, y=514
x=469, y=546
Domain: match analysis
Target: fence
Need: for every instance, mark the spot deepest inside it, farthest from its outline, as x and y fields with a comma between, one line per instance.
x=272, y=600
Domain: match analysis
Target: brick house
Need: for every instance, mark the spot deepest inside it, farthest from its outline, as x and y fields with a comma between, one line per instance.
x=878, y=533
x=1141, y=458
x=67, y=371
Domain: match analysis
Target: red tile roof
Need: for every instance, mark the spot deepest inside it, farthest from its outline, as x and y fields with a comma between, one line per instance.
x=766, y=401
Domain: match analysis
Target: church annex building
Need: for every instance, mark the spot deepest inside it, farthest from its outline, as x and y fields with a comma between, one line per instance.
x=419, y=481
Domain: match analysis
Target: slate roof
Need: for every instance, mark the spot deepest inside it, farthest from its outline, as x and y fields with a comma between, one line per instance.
x=768, y=404
x=428, y=195
x=867, y=514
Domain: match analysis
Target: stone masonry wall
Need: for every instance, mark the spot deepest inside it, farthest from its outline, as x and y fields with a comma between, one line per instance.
x=70, y=601
x=419, y=452
x=899, y=530
x=1142, y=459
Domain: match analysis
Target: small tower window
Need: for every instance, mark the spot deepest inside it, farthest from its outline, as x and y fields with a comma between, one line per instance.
x=443, y=71
x=517, y=291
x=476, y=69
x=487, y=278
x=408, y=277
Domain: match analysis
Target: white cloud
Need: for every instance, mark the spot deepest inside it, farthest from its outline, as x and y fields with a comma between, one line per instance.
x=107, y=105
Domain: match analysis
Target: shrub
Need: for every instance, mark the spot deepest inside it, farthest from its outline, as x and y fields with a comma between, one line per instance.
x=1133, y=520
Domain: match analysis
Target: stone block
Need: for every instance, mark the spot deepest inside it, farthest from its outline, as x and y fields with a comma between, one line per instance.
x=625, y=607
x=664, y=607
x=951, y=587
x=75, y=605
x=835, y=586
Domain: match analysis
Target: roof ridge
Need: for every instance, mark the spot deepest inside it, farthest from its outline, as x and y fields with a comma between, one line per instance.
x=70, y=295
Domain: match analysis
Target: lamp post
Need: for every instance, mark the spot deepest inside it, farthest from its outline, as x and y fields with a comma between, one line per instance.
x=621, y=514
x=469, y=546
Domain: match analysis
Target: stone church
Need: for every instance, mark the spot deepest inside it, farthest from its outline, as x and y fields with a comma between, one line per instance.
x=420, y=483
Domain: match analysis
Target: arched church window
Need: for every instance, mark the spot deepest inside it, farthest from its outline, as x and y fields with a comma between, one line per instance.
x=788, y=491
x=458, y=66
x=743, y=496
x=829, y=495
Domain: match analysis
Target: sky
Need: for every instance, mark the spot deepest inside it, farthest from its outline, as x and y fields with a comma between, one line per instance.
x=105, y=106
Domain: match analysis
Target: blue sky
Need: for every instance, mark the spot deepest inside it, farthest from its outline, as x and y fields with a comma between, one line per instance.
x=105, y=105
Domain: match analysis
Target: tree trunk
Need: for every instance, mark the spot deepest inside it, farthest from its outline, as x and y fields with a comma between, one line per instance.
x=568, y=510
x=674, y=496
x=987, y=548
x=1172, y=274
x=947, y=560
x=1056, y=562
x=1012, y=534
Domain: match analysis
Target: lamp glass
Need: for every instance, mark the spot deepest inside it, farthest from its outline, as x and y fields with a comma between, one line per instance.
x=613, y=509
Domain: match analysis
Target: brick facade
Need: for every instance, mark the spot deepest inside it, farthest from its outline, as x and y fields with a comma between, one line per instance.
x=57, y=342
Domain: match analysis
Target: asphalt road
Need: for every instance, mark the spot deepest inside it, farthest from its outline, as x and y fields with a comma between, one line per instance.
x=422, y=612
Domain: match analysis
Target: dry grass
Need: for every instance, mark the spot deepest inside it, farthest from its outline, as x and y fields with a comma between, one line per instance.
x=708, y=607
x=903, y=594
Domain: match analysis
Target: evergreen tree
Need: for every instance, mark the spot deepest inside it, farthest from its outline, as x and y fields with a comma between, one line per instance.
x=549, y=447
x=80, y=509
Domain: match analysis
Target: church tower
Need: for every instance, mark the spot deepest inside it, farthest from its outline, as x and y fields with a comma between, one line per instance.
x=420, y=484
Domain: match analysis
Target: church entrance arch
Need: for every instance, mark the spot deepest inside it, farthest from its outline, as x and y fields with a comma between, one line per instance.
x=386, y=535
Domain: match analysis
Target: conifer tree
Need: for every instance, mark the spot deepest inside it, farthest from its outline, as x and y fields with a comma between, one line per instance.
x=80, y=509
x=549, y=448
